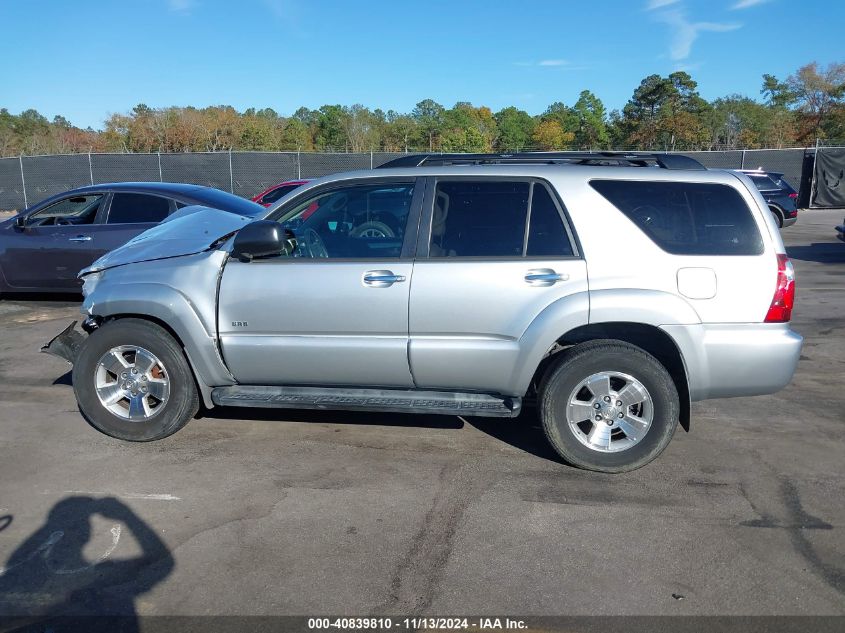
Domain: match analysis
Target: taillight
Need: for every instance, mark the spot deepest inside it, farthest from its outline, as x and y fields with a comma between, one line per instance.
x=781, y=309
x=793, y=195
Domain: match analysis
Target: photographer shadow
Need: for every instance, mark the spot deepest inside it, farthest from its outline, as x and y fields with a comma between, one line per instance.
x=49, y=576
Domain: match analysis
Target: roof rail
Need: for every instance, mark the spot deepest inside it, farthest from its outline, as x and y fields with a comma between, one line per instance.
x=633, y=159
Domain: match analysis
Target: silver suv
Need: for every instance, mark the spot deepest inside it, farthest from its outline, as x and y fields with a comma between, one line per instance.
x=610, y=289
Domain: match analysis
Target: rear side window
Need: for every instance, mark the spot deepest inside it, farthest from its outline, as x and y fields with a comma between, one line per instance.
x=479, y=219
x=137, y=208
x=490, y=218
x=687, y=218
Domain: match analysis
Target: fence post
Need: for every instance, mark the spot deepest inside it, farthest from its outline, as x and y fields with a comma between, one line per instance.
x=812, y=179
x=231, y=174
x=160, y=179
x=371, y=159
x=23, y=182
x=90, y=168
x=742, y=161
x=298, y=167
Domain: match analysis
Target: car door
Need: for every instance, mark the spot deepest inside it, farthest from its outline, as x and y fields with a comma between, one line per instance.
x=68, y=235
x=493, y=254
x=336, y=312
x=43, y=252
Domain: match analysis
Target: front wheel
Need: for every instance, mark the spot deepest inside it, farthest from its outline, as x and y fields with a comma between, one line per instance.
x=132, y=381
x=608, y=406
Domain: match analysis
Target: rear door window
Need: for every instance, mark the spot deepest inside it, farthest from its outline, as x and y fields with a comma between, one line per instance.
x=686, y=218
x=479, y=219
x=137, y=208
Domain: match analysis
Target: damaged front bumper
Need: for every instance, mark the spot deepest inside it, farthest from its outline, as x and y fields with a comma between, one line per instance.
x=66, y=344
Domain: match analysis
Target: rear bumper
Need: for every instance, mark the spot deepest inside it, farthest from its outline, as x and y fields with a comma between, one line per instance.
x=742, y=359
x=789, y=221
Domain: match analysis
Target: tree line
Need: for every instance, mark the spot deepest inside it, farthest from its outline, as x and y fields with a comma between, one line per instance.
x=664, y=113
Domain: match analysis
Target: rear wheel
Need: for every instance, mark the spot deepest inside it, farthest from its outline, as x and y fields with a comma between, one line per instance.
x=778, y=217
x=608, y=406
x=132, y=381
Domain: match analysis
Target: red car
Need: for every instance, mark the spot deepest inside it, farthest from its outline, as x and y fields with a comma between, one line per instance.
x=269, y=196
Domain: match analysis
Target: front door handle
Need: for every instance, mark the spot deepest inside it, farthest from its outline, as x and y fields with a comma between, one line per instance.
x=381, y=278
x=544, y=277
x=80, y=238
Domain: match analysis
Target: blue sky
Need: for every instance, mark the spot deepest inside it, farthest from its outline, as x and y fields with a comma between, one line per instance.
x=85, y=59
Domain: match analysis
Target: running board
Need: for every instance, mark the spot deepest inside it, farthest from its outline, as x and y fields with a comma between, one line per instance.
x=396, y=400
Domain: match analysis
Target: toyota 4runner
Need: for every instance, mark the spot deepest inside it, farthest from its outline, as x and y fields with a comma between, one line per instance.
x=610, y=289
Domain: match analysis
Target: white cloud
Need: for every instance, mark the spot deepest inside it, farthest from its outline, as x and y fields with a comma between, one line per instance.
x=181, y=6
x=684, y=32
x=560, y=64
x=746, y=4
x=657, y=4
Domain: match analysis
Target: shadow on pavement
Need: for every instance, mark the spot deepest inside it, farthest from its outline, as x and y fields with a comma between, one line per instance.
x=336, y=417
x=820, y=252
x=48, y=575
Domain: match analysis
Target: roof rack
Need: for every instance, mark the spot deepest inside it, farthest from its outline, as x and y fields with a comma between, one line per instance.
x=633, y=159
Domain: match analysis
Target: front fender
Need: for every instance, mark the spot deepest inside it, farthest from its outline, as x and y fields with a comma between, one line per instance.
x=193, y=325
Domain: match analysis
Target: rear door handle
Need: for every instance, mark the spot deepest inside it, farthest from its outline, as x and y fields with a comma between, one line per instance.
x=381, y=278
x=544, y=277
x=80, y=238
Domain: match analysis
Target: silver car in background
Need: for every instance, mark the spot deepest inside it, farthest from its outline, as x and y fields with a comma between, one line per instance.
x=614, y=288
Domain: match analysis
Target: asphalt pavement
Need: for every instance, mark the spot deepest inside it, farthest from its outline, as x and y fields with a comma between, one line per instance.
x=289, y=512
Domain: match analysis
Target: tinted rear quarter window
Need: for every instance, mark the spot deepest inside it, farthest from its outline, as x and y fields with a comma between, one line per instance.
x=137, y=208
x=686, y=218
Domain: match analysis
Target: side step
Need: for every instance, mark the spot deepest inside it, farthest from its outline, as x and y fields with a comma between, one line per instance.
x=396, y=400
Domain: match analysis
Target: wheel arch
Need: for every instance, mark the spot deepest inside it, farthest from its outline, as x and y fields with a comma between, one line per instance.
x=171, y=310
x=774, y=208
x=647, y=337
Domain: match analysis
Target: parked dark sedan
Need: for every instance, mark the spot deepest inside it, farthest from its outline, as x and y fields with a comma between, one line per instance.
x=778, y=194
x=45, y=246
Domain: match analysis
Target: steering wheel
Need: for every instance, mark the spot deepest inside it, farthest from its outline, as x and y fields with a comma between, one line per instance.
x=315, y=245
x=63, y=222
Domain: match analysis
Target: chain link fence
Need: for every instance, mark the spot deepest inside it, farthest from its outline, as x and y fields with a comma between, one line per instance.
x=26, y=180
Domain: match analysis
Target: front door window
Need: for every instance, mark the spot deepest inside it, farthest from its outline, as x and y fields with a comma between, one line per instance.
x=355, y=222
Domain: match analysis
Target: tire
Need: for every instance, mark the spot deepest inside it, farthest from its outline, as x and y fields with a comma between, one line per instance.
x=374, y=228
x=778, y=217
x=169, y=378
x=569, y=430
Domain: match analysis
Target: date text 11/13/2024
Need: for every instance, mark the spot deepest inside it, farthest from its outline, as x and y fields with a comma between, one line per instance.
x=415, y=624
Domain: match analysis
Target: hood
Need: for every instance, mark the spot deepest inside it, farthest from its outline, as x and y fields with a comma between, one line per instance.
x=190, y=230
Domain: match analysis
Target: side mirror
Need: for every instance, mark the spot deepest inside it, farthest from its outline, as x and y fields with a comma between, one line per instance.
x=263, y=238
x=20, y=222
